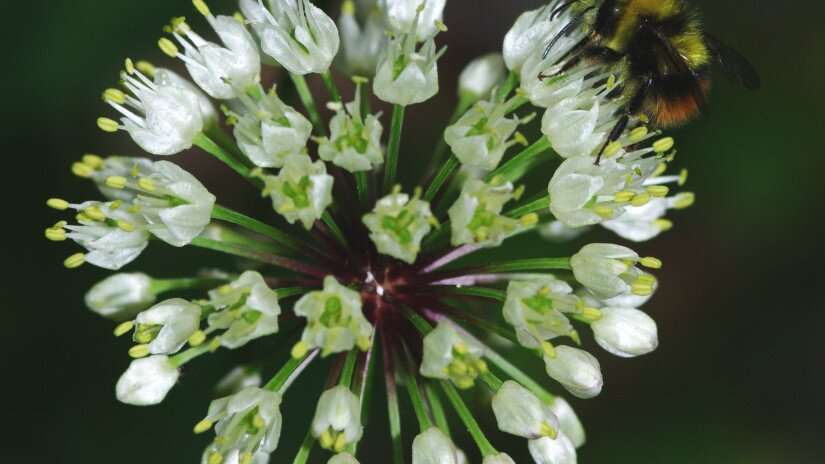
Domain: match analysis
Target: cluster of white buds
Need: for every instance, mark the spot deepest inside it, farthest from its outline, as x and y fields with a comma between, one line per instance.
x=476, y=216
x=610, y=270
x=337, y=421
x=355, y=139
x=449, y=355
x=245, y=309
x=536, y=309
x=399, y=223
x=301, y=191
x=482, y=135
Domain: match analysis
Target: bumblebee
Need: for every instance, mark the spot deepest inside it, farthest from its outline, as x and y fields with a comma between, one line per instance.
x=660, y=51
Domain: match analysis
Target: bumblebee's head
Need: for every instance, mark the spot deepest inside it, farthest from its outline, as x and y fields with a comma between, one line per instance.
x=608, y=16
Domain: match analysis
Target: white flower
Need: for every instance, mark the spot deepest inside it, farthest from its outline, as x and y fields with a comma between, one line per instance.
x=398, y=223
x=548, y=451
x=224, y=70
x=609, y=270
x=531, y=33
x=482, y=135
x=433, y=447
x=548, y=92
x=576, y=370
x=246, y=308
x=406, y=76
x=448, y=355
x=625, y=332
x=168, y=77
x=535, y=309
x=246, y=423
x=406, y=17
x=355, y=141
x=582, y=193
x=569, y=424
x=343, y=458
x=120, y=297
x=113, y=235
x=299, y=36
x=301, y=191
x=519, y=412
x=335, y=322
x=476, y=216
x=147, y=381
x=500, y=458
x=166, y=326
x=174, y=204
x=161, y=119
x=270, y=131
x=361, y=42
x=578, y=126
x=337, y=421
x=645, y=222
x=481, y=76
x=99, y=169
x=236, y=457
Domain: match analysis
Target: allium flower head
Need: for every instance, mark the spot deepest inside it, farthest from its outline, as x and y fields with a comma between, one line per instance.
x=357, y=268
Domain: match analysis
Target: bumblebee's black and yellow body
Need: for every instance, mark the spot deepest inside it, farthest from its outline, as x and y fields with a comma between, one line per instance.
x=661, y=53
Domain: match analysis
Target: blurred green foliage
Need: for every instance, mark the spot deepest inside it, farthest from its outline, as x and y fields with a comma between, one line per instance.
x=738, y=377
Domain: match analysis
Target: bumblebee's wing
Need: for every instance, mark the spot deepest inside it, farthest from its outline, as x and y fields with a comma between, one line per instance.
x=734, y=65
x=680, y=64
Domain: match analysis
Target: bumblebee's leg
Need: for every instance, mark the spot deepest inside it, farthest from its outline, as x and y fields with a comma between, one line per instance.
x=632, y=108
x=583, y=51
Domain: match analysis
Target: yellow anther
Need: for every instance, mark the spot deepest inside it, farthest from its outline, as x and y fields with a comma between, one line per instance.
x=93, y=161
x=457, y=367
x=200, y=5
x=139, y=351
x=574, y=335
x=215, y=458
x=640, y=199
x=245, y=458
x=203, y=426
x=548, y=349
x=135, y=171
x=548, y=430
x=135, y=208
x=434, y=222
x=147, y=184
x=57, y=204
x=82, y=217
x=660, y=169
x=117, y=182
x=663, y=224
x=82, y=170
x=359, y=80
x=481, y=365
x=214, y=344
x=637, y=134
x=683, y=177
x=363, y=343
x=115, y=205
x=646, y=279
x=651, y=262
x=178, y=24
x=168, y=47
x=658, y=190
x=325, y=440
x=340, y=443
x=197, y=338
x=130, y=66
x=421, y=7
x=611, y=82
x=258, y=421
x=144, y=337
x=465, y=383
x=624, y=195
x=611, y=150
x=530, y=219
x=114, y=96
x=107, y=125
x=300, y=350
x=591, y=314
x=125, y=226
x=348, y=8
x=124, y=328
x=75, y=260
x=603, y=211
x=521, y=139
x=684, y=200
x=95, y=213
x=641, y=289
x=460, y=348
x=55, y=235
x=146, y=68
x=239, y=17
x=663, y=145
x=441, y=26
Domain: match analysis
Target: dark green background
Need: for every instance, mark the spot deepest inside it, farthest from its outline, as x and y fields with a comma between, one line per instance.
x=738, y=377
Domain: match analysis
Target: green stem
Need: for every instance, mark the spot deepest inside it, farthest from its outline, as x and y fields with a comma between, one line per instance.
x=416, y=319
x=348, y=369
x=506, y=87
x=417, y=401
x=492, y=381
x=393, y=411
x=227, y=142
x=331, y=87
x=439, y=179
x=509, y=171
x=363, y=387
x=209, y=146
x=308, y=102
x=518, y=375
x=518, y=265
x=225, y=214
x=392, y=151
x=530, y=207
x=464, y=103
x=334, y=229
x=468, y=290
x=306, y=446
x=185, y=356
x=363, y=187
x=437, y=408
x=467, y=417
x=261, y=256
x=279, y=380
x=292, y=291
x=159, y=286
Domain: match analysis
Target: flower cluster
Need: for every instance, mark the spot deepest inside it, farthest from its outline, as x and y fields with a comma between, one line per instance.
x=374, y=269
